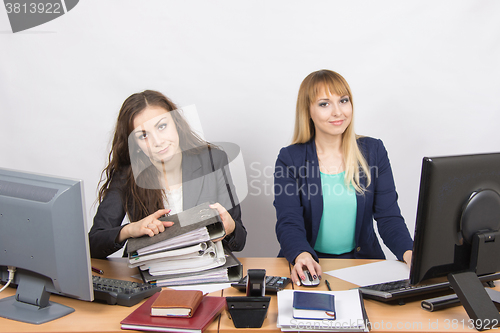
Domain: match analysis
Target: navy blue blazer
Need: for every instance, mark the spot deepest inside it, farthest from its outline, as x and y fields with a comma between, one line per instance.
x=299, y=203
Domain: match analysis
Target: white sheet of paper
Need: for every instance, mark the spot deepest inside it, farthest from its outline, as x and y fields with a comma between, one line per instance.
x=347, y=306
x=373, y=273
x=205, y=288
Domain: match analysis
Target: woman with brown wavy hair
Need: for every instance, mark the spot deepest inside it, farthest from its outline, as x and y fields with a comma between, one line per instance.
x=158, y=165
x=330, y=184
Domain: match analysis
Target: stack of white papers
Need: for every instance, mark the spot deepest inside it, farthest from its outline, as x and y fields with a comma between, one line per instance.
x=189, y=238
x=187, y=259
x=211, y=257
x=182, y=253
x=189, y=252
x=348, y=307
x=208, y=276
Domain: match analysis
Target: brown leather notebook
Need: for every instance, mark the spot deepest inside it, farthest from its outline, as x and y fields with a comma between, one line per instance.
x=141, y=320
x=176, y=303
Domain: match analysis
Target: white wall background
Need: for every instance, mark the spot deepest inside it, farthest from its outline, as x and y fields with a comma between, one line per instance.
x=425, y=77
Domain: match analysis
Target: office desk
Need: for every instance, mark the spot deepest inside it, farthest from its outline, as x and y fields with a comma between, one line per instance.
x=88, y=316
x=97, y=317
x=382, y=317
x=402, y=318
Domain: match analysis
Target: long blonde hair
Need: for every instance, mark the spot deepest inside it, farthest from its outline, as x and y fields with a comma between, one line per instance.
x=311, y=86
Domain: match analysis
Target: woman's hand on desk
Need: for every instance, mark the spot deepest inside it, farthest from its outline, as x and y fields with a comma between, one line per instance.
x=407, y=257
x=305, y=260
x=149, y=225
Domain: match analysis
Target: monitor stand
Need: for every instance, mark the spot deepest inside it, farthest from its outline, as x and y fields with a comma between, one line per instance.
x=31, y=303
x=480, y=225
x=476, y=300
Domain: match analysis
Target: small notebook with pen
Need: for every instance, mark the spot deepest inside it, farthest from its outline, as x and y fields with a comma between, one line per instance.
x=311, y=305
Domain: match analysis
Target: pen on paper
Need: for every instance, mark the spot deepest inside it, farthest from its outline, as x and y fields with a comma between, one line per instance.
x=328, y=285
x=97, y=270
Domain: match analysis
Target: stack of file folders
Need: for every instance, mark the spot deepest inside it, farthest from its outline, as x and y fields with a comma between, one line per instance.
x=187, y=252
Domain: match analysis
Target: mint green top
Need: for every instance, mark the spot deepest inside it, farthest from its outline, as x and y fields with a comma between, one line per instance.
x=338, y=223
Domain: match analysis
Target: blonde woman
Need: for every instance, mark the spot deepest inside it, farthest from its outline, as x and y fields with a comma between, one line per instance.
x=330, y=184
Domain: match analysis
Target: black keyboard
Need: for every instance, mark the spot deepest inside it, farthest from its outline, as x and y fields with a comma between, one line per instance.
x=389, y=291
x=393, y=290
x=273, y=283
x=121, y=292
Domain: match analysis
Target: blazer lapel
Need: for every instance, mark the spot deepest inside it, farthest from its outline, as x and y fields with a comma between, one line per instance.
x=361, y=198
x=360, y=210
x=192, y=180
x=313, y=188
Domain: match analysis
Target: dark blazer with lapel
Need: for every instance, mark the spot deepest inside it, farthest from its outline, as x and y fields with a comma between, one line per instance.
x=202, y=182
x=299, y=203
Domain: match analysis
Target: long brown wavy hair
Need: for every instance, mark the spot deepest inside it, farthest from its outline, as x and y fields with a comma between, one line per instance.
x=138, y=201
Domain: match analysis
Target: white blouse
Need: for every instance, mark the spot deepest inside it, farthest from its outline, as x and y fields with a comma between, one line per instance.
x=173, y=200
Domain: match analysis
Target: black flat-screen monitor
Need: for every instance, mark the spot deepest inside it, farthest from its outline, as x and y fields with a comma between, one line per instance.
x=457, y=230
x=43, y=235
